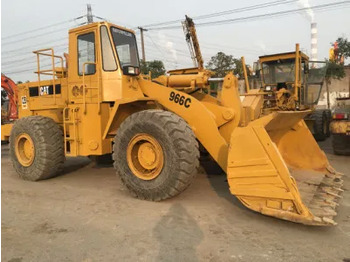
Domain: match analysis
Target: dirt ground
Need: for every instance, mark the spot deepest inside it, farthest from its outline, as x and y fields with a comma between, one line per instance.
x=87, y=215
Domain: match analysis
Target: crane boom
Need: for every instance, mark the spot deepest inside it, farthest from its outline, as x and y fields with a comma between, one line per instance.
x=192, y=41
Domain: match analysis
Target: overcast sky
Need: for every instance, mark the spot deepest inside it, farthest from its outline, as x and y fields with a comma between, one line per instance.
x=249, y=38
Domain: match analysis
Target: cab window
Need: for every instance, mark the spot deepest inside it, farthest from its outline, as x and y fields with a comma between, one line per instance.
x=125, y=44
x=86, y=53
x=108, y=59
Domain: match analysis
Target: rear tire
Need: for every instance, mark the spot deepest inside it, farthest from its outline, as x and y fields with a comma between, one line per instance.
x=321, y=125
x=44, y=139
x=341, y=144
x=178, y=146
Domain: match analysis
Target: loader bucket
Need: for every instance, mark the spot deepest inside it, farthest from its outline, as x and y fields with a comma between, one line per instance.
x=275, y=167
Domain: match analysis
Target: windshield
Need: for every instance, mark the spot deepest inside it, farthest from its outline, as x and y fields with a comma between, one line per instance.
x=125, y=44
x=279, y=71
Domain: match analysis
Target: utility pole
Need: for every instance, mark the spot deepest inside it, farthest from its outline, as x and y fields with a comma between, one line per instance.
x=143, y=43
x=89, y=15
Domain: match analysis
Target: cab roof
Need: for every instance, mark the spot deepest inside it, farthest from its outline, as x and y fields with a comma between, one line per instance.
x=288, y=55
x=97, y=24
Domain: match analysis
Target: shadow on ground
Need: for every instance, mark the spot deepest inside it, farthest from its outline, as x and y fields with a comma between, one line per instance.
x=218, y=181
x=178, y=235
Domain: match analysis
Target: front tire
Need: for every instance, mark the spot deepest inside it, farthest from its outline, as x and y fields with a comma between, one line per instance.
x=155, y=154
x=36, y=148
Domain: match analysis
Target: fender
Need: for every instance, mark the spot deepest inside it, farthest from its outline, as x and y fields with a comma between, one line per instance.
x=115, y=118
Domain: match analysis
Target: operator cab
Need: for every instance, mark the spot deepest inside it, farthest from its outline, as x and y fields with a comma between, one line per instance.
x=278, y=70
x=102, y=56
x=118, y=48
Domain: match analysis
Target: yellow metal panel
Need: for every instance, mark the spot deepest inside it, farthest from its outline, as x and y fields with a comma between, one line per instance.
x=263, y=158
x=55, y=114
x=88, y=138
x=261, y=193
x=6, y=131
x=299, y=148
x=340, y=127
x=117, y=115
x=273, y=204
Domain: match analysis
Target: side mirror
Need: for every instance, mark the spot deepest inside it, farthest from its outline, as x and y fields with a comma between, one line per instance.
x=131, y=70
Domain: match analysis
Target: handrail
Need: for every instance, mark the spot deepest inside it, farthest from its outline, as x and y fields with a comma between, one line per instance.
x=46, y=72
x=84, y=88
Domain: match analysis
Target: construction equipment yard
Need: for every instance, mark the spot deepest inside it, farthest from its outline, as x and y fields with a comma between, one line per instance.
x=86, y=214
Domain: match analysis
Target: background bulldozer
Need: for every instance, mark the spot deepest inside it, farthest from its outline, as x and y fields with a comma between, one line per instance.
x=100, y=104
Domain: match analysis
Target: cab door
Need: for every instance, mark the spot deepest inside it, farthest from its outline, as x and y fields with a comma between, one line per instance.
x=83, y=69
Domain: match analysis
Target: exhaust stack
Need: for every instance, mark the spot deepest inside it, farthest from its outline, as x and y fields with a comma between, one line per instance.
x=313, y=41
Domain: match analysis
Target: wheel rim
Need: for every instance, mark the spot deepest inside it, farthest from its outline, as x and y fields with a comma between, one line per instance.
x=24, y=148
x=145, y=156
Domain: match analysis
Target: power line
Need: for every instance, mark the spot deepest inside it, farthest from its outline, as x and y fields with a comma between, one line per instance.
x=254, y=17
x=41, y=28
x=27, y=53
x=31, y=70
x=36, y=36
x=208, y=45
x=248, y=8
x=275, y=13
x=236, y=10
x=21, y=64
x=115, y=22
x=158, y=48
x=17, y=50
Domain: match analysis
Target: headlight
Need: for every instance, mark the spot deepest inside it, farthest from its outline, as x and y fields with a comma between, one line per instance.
x=268, y=88
x=131, y=70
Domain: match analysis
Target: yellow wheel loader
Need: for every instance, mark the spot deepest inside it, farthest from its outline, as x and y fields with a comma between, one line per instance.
x=278, y=70
x=99, y=104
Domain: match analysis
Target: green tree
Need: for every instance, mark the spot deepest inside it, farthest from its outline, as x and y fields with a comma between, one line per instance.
x=238, y=70
x=221, y=64
x=156, y=67
x=334, y=71
x=343, y=47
